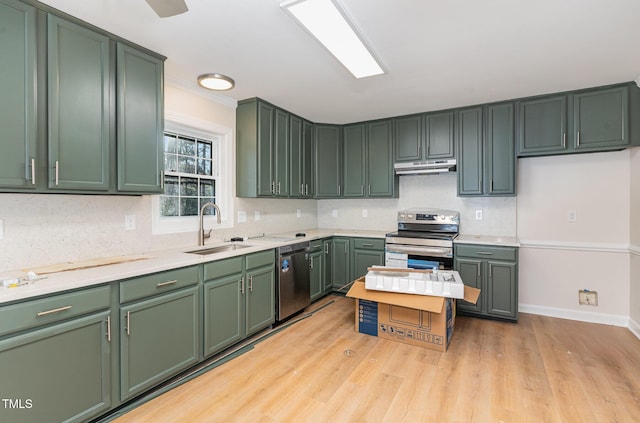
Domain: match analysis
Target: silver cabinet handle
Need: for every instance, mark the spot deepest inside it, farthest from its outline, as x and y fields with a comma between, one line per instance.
x=326, y=248
x=57, y=172
x=484, y=253
x=242, y=285
x=301, y=189
x=278, y=187
x=369, y=189
x=161, y=284
x=162, y=179
x=55, y=310
x=251, y=283
x=306, y=189
x=311, y=263
x=33, y=171
x=128, y=323
x=578, y=140
x=366, y=244
x=109, y=328
x=273, y=187
x=339, y=190
x=346, y=248
x=564, y=140
x=490, y=270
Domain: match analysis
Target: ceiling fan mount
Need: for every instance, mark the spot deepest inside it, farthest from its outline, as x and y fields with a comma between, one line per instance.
x=167, y=8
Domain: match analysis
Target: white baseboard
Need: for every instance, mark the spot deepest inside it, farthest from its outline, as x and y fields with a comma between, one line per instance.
x=583, y=316
x=634, y=327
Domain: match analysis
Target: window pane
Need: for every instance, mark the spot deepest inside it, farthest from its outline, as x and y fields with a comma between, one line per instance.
x=187, y=147
x=170, y=162
x=209, y=211
x=188, y=187
x=207, y=188
x=204, y=167
x=188, y=207
x=186, y=164
x=169, y=206
x=170, y=143
x=204, y=150
x=171, y=185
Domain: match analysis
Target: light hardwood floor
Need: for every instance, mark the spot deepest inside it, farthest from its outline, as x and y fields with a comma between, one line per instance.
x=538, y=370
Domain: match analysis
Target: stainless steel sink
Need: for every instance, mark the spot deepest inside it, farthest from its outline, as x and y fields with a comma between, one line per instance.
x=218, y=249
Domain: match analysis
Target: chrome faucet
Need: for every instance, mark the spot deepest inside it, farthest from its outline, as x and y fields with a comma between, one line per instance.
x=201, y=235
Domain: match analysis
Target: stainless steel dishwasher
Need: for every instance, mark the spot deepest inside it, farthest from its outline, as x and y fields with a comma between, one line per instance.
x=292, y=284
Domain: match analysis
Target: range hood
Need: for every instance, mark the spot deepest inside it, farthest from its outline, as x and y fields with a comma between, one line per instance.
x=425, y=167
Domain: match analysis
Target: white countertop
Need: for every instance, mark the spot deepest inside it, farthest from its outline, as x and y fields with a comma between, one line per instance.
x=505, y=241
x=158, y=261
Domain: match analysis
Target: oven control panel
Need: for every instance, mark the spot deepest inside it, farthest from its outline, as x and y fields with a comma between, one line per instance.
x=437, y=216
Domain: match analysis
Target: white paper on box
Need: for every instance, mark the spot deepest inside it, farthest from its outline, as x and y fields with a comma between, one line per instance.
x=441, y=283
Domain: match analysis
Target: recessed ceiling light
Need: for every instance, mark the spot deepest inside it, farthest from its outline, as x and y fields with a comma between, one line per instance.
x=325, y=21
x=215, y=81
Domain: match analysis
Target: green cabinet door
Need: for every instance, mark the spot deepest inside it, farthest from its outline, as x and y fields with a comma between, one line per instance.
x=600, y=119
x=340, y=271
x=542, y=126
x=327, y=246
x=502, y=289
x=18, y=99
x=78, y=79
x=328, y=161
x=59, y=373
x=308, y=162
x=316, y=273
x=354, y=151
x=439, y=135
x=470, y=153
x=260, y=297
x=381, y=179
x=363, y=259
x=159, y=337
x=470, y=271
x=500, y=160
x=296, y=157
x=409, y=138
x=140, y=121
x=223, y=313
x=281, y=154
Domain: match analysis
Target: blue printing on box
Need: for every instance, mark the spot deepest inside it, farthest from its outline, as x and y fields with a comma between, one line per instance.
x=368, y=317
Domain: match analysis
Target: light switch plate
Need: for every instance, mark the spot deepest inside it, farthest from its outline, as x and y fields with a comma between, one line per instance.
x=242, y=216
x=334, y=213
x=478, y=214
x=298, y=213
x=257, y=215
x=130, y=222
x=365, y=213
x=571, y=216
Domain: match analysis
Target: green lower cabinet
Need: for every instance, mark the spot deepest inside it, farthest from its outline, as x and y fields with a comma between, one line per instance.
x=58, y=373
x=239, y=299
x=316, y=269
x=493, y=270
x=159, y=337
x=340, y=272
x=367, y=252
x=326, y=280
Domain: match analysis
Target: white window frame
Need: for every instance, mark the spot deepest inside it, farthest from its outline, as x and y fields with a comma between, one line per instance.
x=194, y=127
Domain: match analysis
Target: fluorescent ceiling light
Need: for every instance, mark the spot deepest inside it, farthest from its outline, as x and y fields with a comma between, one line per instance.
x=325, y=22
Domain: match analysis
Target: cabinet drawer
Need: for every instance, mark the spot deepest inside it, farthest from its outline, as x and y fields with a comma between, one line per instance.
x=220, y=268
x=316, y=245
x=368, y=244
x=263, y=258
x=47, y=310
x=158, y=283
x=486, y=252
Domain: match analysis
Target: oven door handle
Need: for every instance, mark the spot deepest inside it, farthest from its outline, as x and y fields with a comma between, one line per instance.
x=435, y=252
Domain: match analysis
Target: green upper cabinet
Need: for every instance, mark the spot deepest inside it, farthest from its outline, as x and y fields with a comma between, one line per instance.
x=368, y=160
x=354, y=156
x=18, y=100
x=427, y=136
x=594, y=120
x=263, y=134
x=308, y=162
x=140, y=121
x=486, y=151
x=79, y=76
x=381, y=181
x=296, y=156
x=328, y=160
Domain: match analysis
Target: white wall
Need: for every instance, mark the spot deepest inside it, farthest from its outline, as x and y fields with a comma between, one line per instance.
x=634, y=297
x=558, y=257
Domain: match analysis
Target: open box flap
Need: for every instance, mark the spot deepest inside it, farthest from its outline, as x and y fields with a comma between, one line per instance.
x=419, y=302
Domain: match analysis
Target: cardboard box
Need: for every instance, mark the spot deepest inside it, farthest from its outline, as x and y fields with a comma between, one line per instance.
x=420, y=320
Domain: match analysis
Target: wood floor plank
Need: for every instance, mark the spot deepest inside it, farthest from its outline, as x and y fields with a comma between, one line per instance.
x=538, y=370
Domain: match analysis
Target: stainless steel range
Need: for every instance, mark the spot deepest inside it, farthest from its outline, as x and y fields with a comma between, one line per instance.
x=424, y=239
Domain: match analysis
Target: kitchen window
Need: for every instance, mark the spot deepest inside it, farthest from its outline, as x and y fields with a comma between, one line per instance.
x=197, y=170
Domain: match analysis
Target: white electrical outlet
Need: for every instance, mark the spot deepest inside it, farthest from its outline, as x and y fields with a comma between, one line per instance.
x=571, y=216
x=478, y=214
x=334, y=213
x=1, y=229
x=130, y=222
x=257, y=215
x=586, y=297
x=242, y=216
x=298, y=213
x=365, y=213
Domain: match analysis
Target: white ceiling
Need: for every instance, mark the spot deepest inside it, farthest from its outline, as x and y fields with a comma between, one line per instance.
x=439, y=54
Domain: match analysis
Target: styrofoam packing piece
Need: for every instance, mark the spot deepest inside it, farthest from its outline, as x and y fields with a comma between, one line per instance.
x=442, y=283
